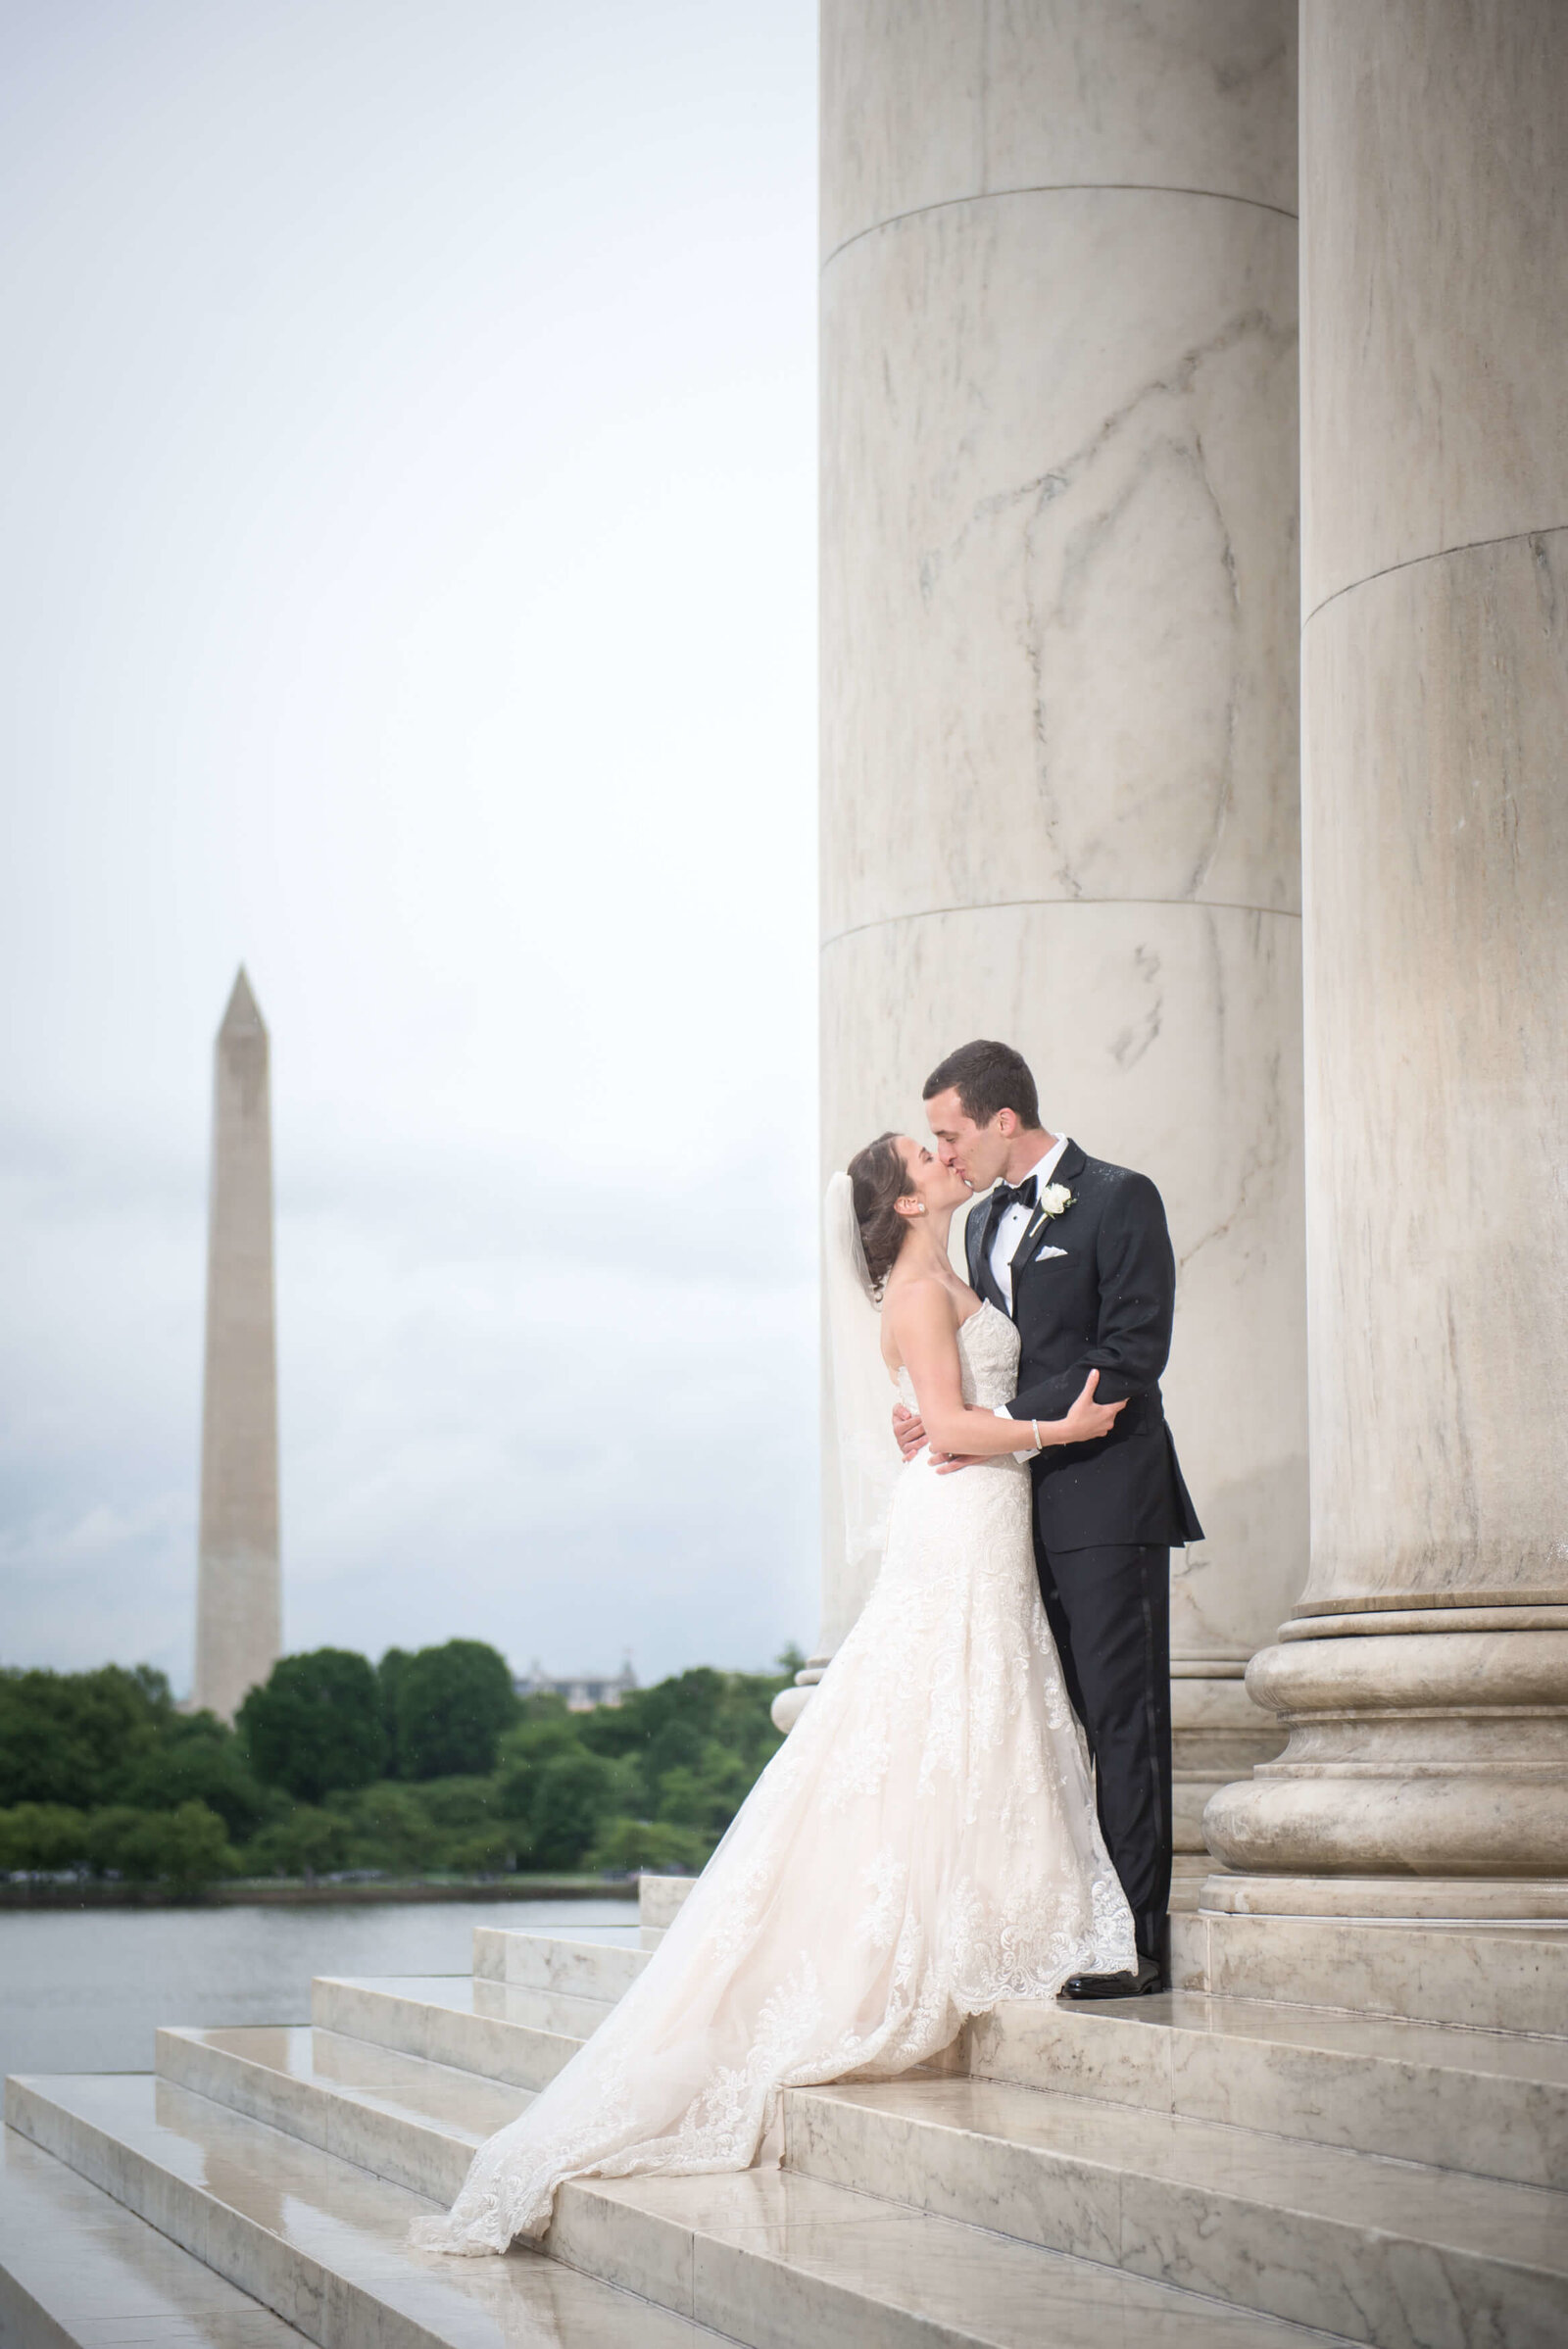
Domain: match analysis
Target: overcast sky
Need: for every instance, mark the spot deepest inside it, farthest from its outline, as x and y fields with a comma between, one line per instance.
x=408, y=589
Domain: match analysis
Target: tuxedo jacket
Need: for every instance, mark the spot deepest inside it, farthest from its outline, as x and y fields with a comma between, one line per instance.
x=1104, y=1302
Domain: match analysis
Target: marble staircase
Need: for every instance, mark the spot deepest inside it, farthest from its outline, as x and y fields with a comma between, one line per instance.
x=1234, y=2164
x=79, y=2269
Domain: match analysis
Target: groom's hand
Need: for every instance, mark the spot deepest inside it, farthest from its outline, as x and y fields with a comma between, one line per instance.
x=909, y=1430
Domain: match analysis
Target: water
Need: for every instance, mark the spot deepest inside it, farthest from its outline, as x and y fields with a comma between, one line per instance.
x=85, y=1992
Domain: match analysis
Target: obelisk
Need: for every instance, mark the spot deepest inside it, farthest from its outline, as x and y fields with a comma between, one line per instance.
x=238, y=1589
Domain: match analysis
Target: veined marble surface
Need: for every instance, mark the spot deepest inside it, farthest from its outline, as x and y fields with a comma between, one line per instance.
x=508, y=2032
x=1435, y=184
x=931, y=101
x=1474, y=2100
x=1437, y=857
x=1058, y=591
x=582, y=1969
x=772, y=2259
x=77, y=2271
x=1386, y=2252
x=1058, y=663
x=1435, y=736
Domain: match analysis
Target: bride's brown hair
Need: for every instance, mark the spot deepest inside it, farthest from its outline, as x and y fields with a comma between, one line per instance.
x=878, y=1179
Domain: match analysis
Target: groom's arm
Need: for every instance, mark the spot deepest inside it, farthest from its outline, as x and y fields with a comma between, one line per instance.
x=1137, y=1273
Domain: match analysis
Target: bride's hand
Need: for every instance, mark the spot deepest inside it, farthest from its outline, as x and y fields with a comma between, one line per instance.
x=1088, y=1419
x=908, y=1432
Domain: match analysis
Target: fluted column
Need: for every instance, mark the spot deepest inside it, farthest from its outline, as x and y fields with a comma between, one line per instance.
x=1059, y=643
x=239, y=1588
x=1424, y=1677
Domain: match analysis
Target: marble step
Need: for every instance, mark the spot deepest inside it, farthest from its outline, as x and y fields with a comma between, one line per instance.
x=78, y=2271
x=1489, y=2102
x=602, y=1970
x=411, y=2121
x=318, y=2240
x=519, y=2036
x=659, y=1901
x=1383, y=2251
x=767, y=2257
x=1511, y=1977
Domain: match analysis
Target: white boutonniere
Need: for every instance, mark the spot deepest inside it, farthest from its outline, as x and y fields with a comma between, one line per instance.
x=1054, y=1199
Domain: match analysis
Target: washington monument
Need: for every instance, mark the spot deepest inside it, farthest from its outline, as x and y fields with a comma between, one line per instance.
x=238, y=1588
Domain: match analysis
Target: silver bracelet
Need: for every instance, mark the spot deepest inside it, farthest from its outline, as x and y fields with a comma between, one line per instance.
x=1035, y=1424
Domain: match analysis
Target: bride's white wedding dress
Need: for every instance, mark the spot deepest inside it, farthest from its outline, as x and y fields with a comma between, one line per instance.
x=923, y=1845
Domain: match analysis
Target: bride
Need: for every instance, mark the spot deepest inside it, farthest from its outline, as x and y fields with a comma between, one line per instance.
x=925, y=1844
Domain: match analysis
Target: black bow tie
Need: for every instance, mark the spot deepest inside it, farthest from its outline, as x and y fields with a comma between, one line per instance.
x=1022, y=1195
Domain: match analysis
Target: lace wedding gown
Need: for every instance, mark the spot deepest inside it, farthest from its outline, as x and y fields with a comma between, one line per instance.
x=924, y=1844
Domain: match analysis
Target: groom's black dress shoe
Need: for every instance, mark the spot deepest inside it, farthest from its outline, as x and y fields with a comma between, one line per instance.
x=1148, y=1979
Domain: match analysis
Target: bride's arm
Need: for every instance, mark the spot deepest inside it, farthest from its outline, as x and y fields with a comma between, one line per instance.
x=920, y=1319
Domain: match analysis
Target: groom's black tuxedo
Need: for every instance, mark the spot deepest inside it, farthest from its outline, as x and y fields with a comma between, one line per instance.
x=1103, y=1303
x=1106, y=1513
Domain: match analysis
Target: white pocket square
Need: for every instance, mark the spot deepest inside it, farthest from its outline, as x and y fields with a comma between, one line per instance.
x=1049, y=1251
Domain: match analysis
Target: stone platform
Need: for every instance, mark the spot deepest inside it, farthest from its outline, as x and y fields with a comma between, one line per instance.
x=1324, y=2134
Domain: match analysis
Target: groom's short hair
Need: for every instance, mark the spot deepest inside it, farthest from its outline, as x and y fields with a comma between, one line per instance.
x=987, y=1077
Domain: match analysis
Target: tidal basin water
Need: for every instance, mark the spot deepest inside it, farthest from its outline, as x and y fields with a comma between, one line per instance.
x=83, y=1990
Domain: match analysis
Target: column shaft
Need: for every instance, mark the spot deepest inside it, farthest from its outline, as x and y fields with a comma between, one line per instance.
x=1425, y=1677
x=1058, y=714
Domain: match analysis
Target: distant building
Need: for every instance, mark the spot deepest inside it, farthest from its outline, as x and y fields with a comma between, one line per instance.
x=581, y=1691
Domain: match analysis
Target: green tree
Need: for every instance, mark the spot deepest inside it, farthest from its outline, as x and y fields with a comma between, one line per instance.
x=453, y=1703
x=676, y=1724
x=388, y=1827
x=625, y=1845
x=487, y=1851
x=459, y=1805
x=546, y=1729
x=574, y=1794
x=42, y=1835
x=71, y=1737
x=705, y=1799
x=198, y=1759
x=317, y=1724
x=559, y=1792
x=308, y=1841
x=186, y=1847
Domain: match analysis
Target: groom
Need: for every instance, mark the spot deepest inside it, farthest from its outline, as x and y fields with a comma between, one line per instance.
x=1077, y=1252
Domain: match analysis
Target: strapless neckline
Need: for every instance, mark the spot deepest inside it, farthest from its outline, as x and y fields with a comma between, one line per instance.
x=987, y=1357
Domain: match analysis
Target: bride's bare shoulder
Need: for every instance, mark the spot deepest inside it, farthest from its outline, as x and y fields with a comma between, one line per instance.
x=924, y=1302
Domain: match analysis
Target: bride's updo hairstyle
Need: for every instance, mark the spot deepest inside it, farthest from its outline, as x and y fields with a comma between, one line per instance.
x=878, y=1180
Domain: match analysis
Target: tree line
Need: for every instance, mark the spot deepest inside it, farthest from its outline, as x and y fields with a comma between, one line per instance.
x=426, y=1763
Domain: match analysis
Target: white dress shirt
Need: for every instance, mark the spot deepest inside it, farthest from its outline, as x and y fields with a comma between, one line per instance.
x=1015, y=1222
x=1009, y=1231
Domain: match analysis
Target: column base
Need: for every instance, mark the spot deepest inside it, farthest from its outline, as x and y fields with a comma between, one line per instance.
x=1430, y=1754
x=1433, y=1899
x=1484, y=1972
x=1218, y=1733
x=790, y=1703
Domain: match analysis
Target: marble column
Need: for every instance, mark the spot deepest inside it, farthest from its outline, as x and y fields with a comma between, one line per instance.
x=1058, y=660
x=1424, y=1677
x=239, y=1587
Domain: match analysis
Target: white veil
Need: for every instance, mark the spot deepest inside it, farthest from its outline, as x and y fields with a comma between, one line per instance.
x=863, y=1393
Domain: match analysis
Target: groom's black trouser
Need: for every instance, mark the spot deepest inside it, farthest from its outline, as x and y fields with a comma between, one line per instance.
x=1110, y=1614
